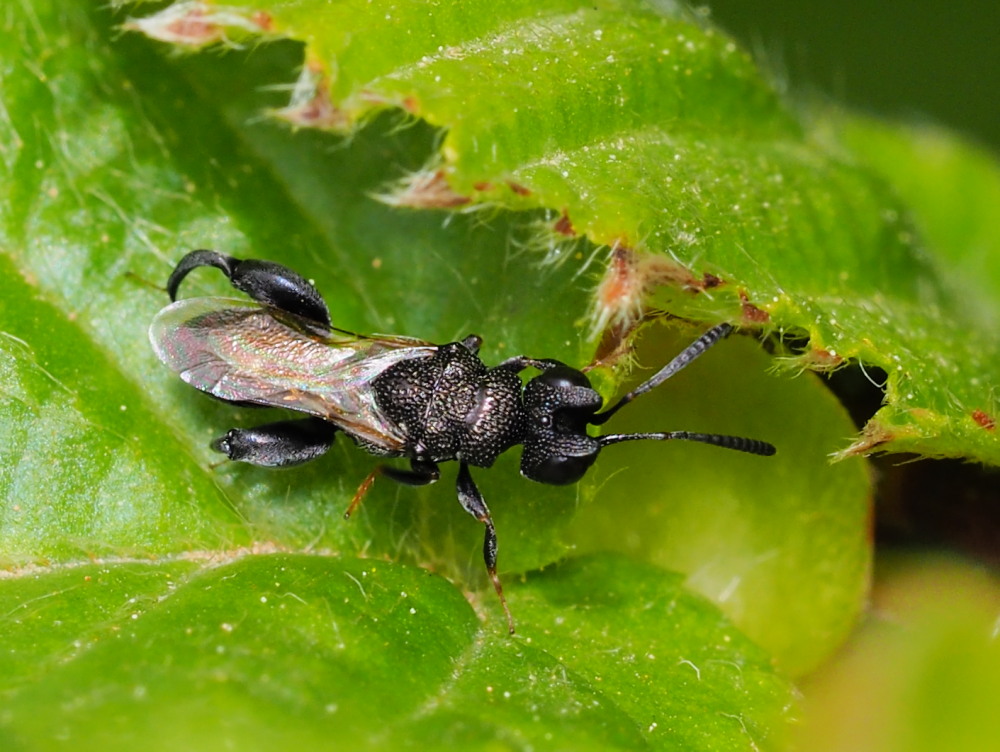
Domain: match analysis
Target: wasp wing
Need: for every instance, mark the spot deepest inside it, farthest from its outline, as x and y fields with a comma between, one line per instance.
x=242, y=352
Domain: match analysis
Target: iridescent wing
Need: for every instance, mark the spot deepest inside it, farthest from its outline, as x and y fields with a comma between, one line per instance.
x=242, y=352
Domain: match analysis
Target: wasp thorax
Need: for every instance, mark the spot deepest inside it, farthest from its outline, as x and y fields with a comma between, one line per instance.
x=453, y=406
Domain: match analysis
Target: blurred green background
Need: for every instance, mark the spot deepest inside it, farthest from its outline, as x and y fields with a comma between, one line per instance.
x=920, y=674
x=913, y=63
x=918, y=60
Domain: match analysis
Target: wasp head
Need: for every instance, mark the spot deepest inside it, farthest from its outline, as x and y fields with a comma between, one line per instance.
x=560, y=403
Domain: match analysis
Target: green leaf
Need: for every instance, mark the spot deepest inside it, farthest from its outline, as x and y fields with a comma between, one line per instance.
x=651, y=133
x=77, y=479
x=782, y=546
x=158, y=654
x=118, y=159
x=952, y=188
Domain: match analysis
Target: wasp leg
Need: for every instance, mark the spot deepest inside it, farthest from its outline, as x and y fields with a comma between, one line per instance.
x=264, y=281
x=290, y=442
x=473, y=502
x=419, y=474
x=472, y=343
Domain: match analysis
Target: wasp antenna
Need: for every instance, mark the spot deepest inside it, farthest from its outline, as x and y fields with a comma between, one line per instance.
x=682, y=361
x=740, y=444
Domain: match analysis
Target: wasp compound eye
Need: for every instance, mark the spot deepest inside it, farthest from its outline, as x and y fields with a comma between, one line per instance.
x=562, y=377
x=558, y=460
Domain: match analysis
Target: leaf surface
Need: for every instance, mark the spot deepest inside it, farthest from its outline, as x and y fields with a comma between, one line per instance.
x=118, y=159
x=642, y=129
x=290, y=649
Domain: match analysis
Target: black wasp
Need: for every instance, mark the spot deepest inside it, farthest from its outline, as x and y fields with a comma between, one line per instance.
x=393, y=396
